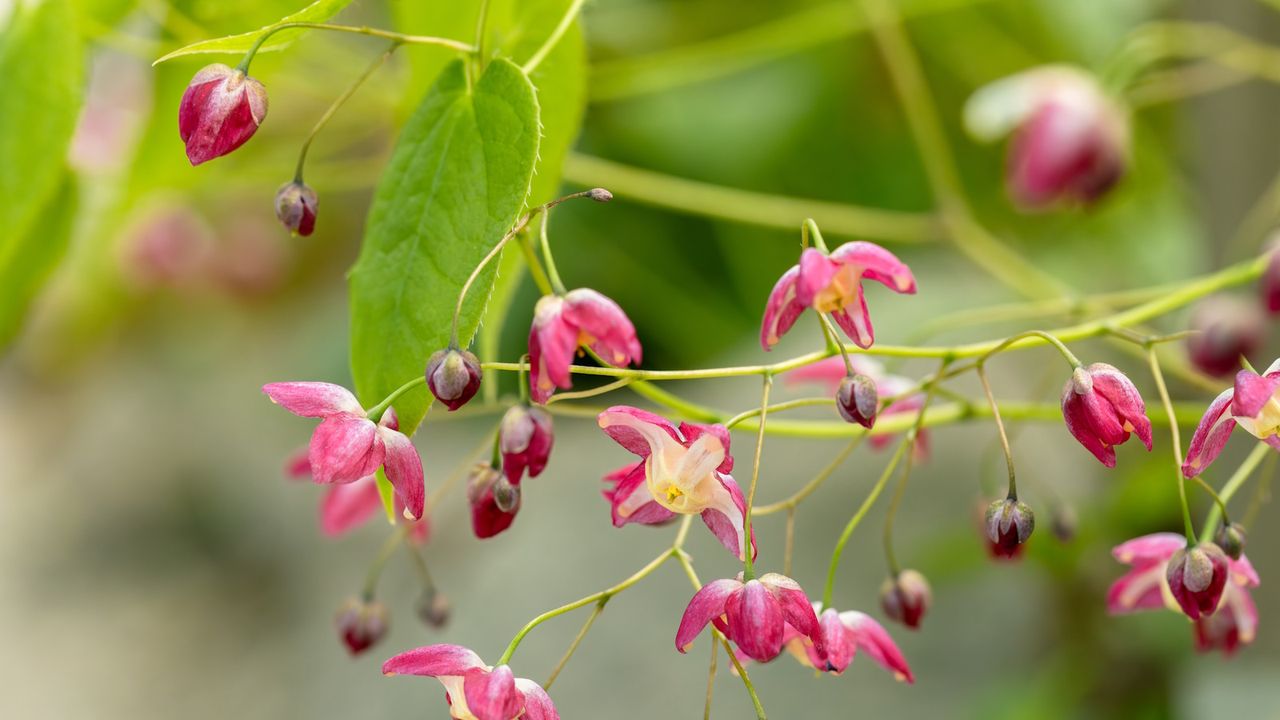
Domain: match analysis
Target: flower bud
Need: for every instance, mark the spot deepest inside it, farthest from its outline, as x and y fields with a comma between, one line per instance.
x=600, y=195
x=906, y=598
x=505, y=495
x=1231, y=538
x=1225, y=328
x=857, y=400
x=1009, y=523
x=1102, y=407
x=453, y=376
x=525, y=439
x=361, y=624
x=487, y=519
x=220, y=110
x=1196, y=578
x=433, y=608
x=296, y=207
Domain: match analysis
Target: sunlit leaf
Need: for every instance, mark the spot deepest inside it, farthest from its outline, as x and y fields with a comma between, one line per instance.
x=317, y=12
x=456, y=183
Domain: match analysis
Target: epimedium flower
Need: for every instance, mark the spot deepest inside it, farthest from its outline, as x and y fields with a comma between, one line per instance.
x=581, y=318
x=1101, y=408
x=347, y=445
x=753, y=614
x=1234, y=620
x=1070, y=139
x=844, y=634
x=474, y=690
x=346, y=506
x=220, y=110
x=525, y=438
x=683, y=471
x=833, y=284
x=296, y=207
x=1253, y=403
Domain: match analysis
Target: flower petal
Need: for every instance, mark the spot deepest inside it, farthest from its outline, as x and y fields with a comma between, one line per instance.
x=871, y=637
x=756, y=621
x=433, y=661
x=345, y=448
x=404, y=470
x=613, y=336
x=492, y=695
x=630, y=500
x=796, y=608
x=1210, y=436
x=639, y=431
x=313, y=399
x=552, y=343
x=1157, y=547
x=1253, y=392
x=346, y=507
x=837, y=641
x=817, y=271
x=781, y=310
x=693, y=431
x=856, y=322
x=706, y=605
x=877, y=264
x=537, y=704
x=724, y=518
x=1119, y=391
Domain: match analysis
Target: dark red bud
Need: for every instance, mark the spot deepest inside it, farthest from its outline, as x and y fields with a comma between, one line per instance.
x=1231, y=538
x=906, y=598
x=857, y=400
x=296, y=208
x=1009, y=523
x=505, y=495
x=361, y=624
x=487, y=519
x=1226, y=328
x=453, y=376
x=525, y=438
x=1197, y=577
x=434, y=608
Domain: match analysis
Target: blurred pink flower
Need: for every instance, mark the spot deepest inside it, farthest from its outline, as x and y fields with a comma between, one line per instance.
x=346, y=506
x=475, y=691
x=844, y=634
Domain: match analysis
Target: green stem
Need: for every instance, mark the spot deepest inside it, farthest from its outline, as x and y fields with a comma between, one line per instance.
x=339, y=102
x=399, y=38
x=552, y=40
x=711, y=681
x=375, y=414
x=826, y=472
x=748, y=569
x=552, y=273
x=1242, y=473
x=1177, y=444
x=1004, y=438
x=742, y=673
x=482, y=21
x=577, y=640
x=776, y=407
x=809, y=230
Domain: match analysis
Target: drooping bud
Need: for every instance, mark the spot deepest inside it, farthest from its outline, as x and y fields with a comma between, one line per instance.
x=600, y=195
x=433, y=608
x=505, y=495
x=1063, y=522
x=220, y=110
x=1231, y=538
x=1101, y=408
x=361, y=624
x=857, y=400
x=1225, y=328
x=296, y=207
x=906, y=598
x=453, y=376
x=1196, y=578
x=525, y=439
x=487, y=519
x=1009, y=523
x=1269, y=283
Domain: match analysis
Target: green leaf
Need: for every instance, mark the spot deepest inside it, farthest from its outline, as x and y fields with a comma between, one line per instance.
x=40, y=61
x=456, y=183
x=317, y=12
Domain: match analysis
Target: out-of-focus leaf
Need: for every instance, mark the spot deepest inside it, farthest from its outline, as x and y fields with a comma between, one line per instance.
x=29, y=261
x=316, y=12
x=40, y=61
x=456, y=183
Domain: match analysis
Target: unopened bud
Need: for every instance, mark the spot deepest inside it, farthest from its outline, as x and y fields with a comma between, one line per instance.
x=1197, y=577
x=1231, y=538
x=505, y=495
x=487, y=519
x=296, y=207
x=434, y=608
x=600, y=195
x=857, y=400
x=1009, y=523
x=1226, y=328
x=361, y=624
x=453, y=376
x=906, y=598
x=221, y=109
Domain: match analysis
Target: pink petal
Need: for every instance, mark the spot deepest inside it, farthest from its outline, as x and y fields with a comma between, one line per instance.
x=1253, y=392
x=630, y=500
x=725, y=518
x=487, y=520
x=856, y=322
x=537, y=704
x=1139, y=589
x=1086, y=417
x=345, y=448
x=1158, y=547
x=693, y=431
x=706, y=605
x=837, y=641
x=781, y=310
x=602, y=319
x=552, y=343
x=345, y=507
x=877, y=264
x=796, y=608
x=639, y=431
x=313, y=399
x=492, y=695
x=433, y=661
x=756, y=621
x=871, y=637
x=404, y=470
x=1242, y=572
x=1210, y=436
x=816, y=273
x=298, y=466
x=1123, y=397
x=827, y=372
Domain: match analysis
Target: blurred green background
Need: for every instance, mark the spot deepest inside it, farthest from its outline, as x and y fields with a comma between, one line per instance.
x=154, y=562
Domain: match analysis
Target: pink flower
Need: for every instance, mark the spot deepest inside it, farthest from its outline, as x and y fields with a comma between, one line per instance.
x=1070, y=140
x=831, y=372
x=844, y=633
x=1197, y=576
x=296, y=207
x=1101, y=407
x=475, y=691
x=346, y=506
x=754, y=615
x=833, y=284
x=683, y=471
x=561, y=325
x=525, y=439
x=1231, y=622
x=221, y=109
x=347, y=445
x=1253, y=404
